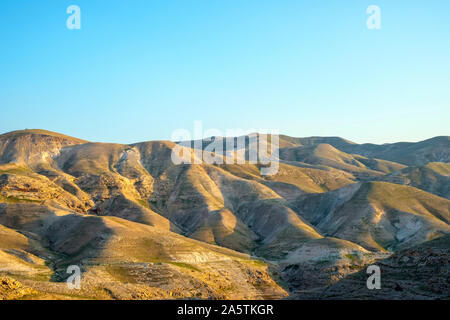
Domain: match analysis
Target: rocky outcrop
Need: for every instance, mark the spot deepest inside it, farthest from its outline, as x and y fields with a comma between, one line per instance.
x=11, y=289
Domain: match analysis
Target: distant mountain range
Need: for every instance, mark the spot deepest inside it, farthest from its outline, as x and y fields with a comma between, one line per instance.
x=141, y=227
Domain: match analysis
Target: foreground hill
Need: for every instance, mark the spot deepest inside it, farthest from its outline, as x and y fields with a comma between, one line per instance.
x=122, y=259
x=125, y=212
x=421, y=272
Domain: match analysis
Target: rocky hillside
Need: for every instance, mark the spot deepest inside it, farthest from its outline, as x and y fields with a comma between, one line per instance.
x=420, y=272
x=141, y=227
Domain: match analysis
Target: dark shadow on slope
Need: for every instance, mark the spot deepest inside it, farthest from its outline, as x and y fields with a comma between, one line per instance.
x=77, y=240
x=65, y=240
x=420, y=272
x=124, y=208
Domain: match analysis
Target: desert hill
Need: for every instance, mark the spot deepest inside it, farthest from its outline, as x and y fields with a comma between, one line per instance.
x=123, y=212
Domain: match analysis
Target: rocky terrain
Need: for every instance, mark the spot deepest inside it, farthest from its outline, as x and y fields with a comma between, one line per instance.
x=420, y=272
x=141, y=227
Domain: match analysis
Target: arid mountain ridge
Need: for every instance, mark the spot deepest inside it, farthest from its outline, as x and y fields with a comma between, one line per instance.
x=143, y=227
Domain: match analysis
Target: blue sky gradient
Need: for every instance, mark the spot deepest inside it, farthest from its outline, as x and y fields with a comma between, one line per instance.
x=137, y=70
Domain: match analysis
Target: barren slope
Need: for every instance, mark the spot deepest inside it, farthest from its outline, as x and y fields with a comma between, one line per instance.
x=142, y=227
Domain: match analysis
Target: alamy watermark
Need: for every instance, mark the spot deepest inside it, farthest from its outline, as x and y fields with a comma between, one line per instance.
x=374, y=281
x=374, y=20
x=238, y=146
x=74, y=280
x=74, y=20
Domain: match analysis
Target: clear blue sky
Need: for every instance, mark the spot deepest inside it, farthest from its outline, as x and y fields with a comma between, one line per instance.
x=139, y=69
